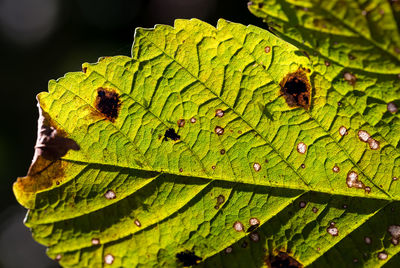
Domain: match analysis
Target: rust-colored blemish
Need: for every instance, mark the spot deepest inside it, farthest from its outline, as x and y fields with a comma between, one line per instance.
x=296, y=89
x=108, y=103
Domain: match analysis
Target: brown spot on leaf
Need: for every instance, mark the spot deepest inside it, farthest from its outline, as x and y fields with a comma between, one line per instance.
x=219, y=130
x=181, y=122
x=373, y=144
x=254, y=223
x=382, y=255
x=350, y=78
x=238, y=226
x=296, y=89
x=351, y=57
x=171, y=134
x=137, y=223
x=188, y=258
x=108, y=103
x=353, y=181
x=267, y=49
x=110, y=194
x=335, y=169
x=332, y=229
x=219, y=113
x=255, y=237
x=280, y=260
x=392, y=107
x=220, y=200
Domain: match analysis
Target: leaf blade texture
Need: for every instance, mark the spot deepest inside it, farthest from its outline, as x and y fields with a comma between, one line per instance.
x=186, y=145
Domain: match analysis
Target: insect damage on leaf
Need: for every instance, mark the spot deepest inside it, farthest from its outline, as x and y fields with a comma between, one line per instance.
x=46, y=168
x=51, y=143
x=108, y=103
x=296, y=89
x=188, y=258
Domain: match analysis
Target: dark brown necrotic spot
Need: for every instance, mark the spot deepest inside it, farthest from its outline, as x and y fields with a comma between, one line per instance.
x=296, y=89
x=282, y=259
x=171, y=134
x=108, y=103
x=188, y=258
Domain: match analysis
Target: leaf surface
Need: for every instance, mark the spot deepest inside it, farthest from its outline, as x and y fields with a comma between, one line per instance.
x=353, y=47
x=199, y=135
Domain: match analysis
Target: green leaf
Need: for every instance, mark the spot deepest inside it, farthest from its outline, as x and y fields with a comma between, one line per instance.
x=217, y=146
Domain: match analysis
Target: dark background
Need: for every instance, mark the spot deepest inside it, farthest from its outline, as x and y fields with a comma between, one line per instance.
x=42, y=40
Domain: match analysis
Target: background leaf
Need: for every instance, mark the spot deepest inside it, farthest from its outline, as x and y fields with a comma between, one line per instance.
x=133, y=195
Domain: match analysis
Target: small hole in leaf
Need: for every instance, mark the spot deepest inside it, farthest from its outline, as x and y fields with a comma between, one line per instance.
x=342, y=131
x=335, y=169
x=219, y=113
x=110, y=194
x=302, y=148
x=392, y=108
x=373, y=144
x=363, y=135
x=108, y=259
x=382, y=255
x=332, y=230
x=137, y=223
x=219, y=130
x=238, y=226
x=257, y=167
